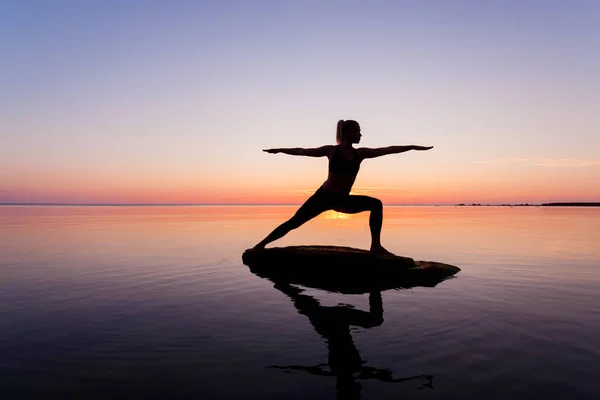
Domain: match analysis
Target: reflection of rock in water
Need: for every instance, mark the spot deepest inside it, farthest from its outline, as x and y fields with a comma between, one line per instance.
x=333, y=324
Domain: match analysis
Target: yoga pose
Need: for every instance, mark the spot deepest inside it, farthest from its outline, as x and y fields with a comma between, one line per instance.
x=334, y=193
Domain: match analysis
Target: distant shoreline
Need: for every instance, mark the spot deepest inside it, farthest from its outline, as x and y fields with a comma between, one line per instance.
x=562, y=204
x=571, y=204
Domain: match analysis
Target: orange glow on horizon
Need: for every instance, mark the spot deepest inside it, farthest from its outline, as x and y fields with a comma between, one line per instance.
x=428, y=189
x=331, y=214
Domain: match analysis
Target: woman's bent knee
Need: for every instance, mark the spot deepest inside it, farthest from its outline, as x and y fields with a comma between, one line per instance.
x=376, y=205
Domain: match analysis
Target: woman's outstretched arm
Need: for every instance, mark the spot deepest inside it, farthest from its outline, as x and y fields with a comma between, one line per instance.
x=322, y=151
x=366, y=152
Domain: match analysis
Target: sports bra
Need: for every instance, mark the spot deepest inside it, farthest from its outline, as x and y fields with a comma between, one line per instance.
x=341, y=166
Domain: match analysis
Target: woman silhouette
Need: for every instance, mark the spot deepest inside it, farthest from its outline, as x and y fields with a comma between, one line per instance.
x=334, y=193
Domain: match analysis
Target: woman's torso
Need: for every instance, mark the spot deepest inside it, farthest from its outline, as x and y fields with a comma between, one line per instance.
x=343, y=168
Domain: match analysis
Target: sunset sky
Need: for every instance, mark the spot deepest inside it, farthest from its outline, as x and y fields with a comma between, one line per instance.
x=173, y=101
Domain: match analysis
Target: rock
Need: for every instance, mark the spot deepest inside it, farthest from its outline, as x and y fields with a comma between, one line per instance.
x=344, y=269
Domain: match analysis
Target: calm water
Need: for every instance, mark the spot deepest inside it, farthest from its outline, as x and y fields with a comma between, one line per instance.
x=154, y=302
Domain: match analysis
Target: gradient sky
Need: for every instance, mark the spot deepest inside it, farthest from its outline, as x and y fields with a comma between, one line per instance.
x=173, y=101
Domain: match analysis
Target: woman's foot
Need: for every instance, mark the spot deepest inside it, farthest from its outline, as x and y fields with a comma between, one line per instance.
x=258, y=247
x=381, y=250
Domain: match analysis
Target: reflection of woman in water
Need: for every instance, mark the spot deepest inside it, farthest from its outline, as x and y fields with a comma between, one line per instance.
x=344, y=361
x=334, y=193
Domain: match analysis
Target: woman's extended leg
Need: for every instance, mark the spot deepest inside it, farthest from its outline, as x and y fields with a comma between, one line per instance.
x=354, y=204
x=310, y=209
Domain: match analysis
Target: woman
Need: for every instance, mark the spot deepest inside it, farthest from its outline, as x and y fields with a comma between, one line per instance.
x=344, y=163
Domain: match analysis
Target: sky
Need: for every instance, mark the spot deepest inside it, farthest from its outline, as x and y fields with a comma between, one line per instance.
x=152, y=102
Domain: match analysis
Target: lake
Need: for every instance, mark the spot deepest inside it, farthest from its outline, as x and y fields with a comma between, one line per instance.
x=155, y=302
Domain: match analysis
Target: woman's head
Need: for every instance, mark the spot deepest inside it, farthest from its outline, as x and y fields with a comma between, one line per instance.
x=348, y=130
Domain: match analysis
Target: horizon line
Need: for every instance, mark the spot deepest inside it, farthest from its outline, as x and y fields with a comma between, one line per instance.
x=274, y=204
x=187, y=204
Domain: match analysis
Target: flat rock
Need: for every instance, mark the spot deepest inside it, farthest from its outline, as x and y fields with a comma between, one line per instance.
x=344, y=269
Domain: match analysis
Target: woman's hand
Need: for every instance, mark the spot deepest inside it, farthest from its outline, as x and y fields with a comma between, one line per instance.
x=272, y=151
x=422, y=147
